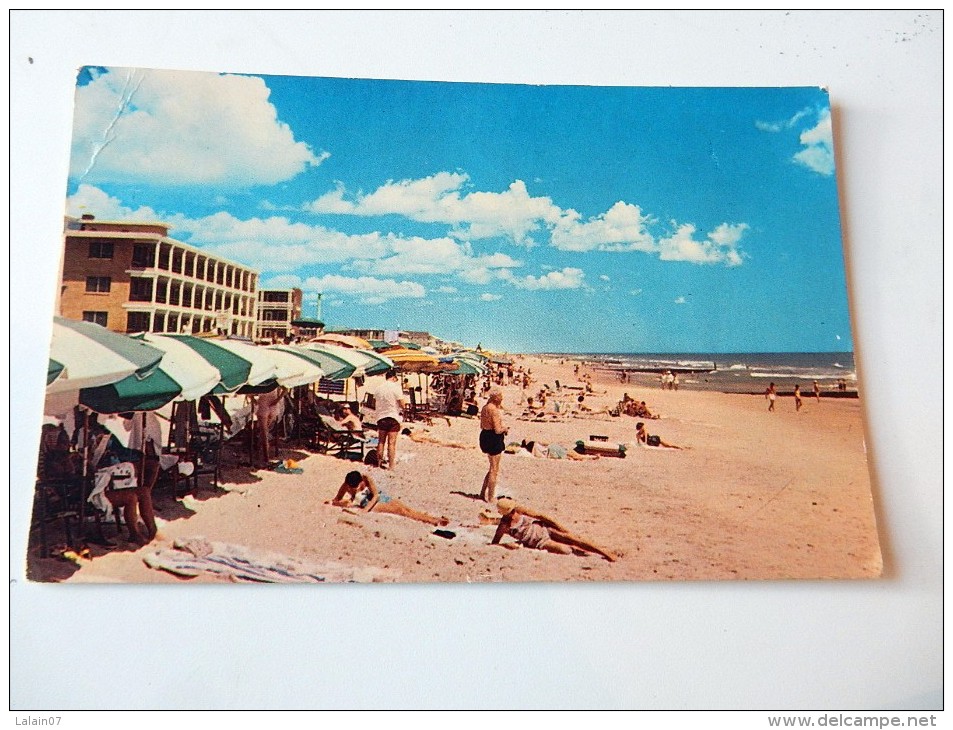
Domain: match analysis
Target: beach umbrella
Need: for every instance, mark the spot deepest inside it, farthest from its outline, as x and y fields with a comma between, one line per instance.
x=262, y=367
x=292, y=371
x=464, y=367
x=473, y=358
x=182, y=374
x=197, y=374
x=413, y=361
x=334, y=367
x=352, y=357
x=83, y=354
x=378, y=362
x=234, y=370
x=352, y=341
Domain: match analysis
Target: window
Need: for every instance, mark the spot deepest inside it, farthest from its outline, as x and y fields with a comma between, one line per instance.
x=100, y=249
x=143, y=255
x=98, y=284
x=138, y=322
x=99, y=318
x=140, y=289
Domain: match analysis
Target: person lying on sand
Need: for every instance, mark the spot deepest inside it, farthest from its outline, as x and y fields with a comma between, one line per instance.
x=554, y=451
x=425, y=438
x=643, y=437
x=359, y=490
x=538, y=531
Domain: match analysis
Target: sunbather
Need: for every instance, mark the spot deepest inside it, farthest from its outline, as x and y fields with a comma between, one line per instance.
x=346, y=419
x=359, y=490
x=643, y=437
x=540, y=532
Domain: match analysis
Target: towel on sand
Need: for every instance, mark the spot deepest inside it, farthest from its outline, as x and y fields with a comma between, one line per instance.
x=241, y=564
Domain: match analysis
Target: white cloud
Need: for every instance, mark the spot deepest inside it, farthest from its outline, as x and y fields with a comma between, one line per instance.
x=182, y=128
x=635, y=292
x=603, y=277
x=622, y=228
x=447, y=289
x=434, y=256
x=89, y=199
x=567, y=278
x=513, y=214
x=785, y=124
x=818, y=142
x=438, y=199
x=720, y=246
x=365, y=289
x=680, y=300
x=278, y=245
x=490, y=297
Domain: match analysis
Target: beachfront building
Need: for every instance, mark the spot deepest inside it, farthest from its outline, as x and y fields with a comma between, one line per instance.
x=421, y=339
x=131, y=277
x=278, y=311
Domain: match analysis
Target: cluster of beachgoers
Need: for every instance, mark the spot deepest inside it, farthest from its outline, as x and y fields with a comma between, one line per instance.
x=536, y=469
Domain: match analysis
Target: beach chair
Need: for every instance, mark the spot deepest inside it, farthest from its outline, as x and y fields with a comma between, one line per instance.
x=330, y=438
x=205, y=450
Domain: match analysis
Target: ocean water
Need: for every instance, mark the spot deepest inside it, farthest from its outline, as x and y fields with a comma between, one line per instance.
x=747, y=372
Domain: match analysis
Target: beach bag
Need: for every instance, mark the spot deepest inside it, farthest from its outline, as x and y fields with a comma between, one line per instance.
x=653, y=441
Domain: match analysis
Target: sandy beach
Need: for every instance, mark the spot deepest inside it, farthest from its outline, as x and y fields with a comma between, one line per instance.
x=752, y=495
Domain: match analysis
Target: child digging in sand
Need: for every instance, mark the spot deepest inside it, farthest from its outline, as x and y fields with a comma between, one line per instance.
x=359, y=490
x=535, y=530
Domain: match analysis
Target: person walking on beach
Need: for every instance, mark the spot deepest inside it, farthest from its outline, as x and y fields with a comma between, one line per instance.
x=359, y=490
x=797, y=397
x=492, y=442
x=817, y=392
x=771, y=394
x=390, y=403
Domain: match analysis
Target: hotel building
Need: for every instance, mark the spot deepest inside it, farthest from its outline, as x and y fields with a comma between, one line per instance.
x=131, y=277
x=279, y=310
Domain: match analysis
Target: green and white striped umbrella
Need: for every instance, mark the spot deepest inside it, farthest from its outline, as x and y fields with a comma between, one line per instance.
x=86, y=355
x=182, y=374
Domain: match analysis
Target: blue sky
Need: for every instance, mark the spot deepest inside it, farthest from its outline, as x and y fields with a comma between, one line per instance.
x=525, y=218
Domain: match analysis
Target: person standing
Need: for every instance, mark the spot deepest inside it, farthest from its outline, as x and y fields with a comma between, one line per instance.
x=771, y=394
x=390, y=402
x=797, y=397
x=817, y=392
x=492, y=442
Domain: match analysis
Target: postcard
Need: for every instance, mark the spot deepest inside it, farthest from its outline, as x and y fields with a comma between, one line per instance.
x=360, y=330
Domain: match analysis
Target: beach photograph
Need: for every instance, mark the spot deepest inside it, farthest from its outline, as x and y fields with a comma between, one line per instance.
x=395, y=331
x=228, y=227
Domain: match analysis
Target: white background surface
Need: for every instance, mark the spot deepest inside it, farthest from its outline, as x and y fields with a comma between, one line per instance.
x=813, y=646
